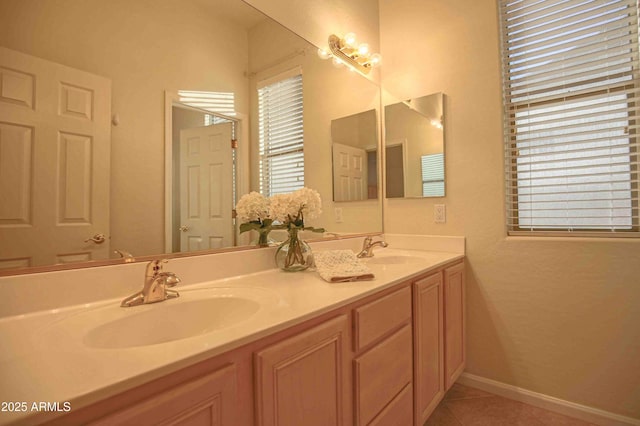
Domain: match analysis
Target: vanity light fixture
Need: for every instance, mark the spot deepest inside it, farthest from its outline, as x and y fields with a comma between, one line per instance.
x=347, y=51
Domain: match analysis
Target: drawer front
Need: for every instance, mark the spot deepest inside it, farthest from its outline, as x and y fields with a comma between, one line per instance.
x=375, y=319
x=382, y=373
x=398, y=412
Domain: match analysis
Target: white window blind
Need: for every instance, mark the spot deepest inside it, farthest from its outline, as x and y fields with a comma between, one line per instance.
x=281, y=136
x=570, y=85
x=216, y=102
x=432, y=175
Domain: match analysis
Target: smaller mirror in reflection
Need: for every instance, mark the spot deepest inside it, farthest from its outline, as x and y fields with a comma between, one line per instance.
x=414, y=147
x=355, y=166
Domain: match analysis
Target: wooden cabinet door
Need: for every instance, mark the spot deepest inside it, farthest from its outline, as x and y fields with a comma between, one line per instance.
x=208, y=401
x=454, y=323
x=306, y=379
x=381, y=374
x=428, y=347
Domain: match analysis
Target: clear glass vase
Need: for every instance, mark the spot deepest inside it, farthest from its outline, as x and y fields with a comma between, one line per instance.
x=263, y=238
x=294, y=254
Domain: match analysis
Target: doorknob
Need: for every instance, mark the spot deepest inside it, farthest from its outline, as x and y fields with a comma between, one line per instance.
x=98, y=239
x=184, y=228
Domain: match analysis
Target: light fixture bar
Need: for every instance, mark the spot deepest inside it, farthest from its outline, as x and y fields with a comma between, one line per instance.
x=350, y=55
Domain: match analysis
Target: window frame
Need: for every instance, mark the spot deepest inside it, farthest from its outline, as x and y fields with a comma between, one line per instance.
x=264, y=150
x=510, y=110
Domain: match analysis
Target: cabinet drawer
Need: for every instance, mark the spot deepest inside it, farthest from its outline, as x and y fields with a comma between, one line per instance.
x=398, y=412
x=382, y=373
x=375, y=319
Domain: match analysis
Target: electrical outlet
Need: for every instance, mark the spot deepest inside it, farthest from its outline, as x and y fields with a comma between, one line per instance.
x=439, y=213
x=337, y=214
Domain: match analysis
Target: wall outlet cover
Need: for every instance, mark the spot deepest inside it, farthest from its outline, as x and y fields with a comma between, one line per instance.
x=439, y=213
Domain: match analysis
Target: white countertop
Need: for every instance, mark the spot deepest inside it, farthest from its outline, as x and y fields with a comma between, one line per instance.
x=44, y=357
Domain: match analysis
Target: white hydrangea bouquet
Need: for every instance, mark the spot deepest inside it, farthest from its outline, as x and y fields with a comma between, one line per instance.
x=282, y=211
x=253, y=210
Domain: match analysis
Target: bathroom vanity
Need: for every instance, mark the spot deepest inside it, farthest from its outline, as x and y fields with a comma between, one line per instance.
x=343, y=353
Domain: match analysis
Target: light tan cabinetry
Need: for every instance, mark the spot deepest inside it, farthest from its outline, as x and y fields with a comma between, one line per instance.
x=428, y=345
x=454, y=323
x=207, y=401
x=439, y=337
x=384, y=362
x=305, y=379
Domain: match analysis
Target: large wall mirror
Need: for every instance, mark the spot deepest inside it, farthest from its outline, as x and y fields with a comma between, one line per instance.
x=136, y=74
x=414, y=147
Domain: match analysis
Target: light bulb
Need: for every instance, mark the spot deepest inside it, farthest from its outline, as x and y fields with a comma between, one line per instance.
x=375, y=59
x=323, y=54
x=363, y=49
x=337, y=62
x=350, y=39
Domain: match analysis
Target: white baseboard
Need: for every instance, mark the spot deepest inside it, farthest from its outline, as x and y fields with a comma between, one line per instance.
x=582, y=412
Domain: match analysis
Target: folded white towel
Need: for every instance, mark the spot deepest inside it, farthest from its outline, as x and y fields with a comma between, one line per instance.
x=341, y=266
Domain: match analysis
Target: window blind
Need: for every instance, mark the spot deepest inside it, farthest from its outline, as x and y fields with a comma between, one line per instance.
x=216, y=102
x=281, y=136
x=570, y=86
x=432, y=175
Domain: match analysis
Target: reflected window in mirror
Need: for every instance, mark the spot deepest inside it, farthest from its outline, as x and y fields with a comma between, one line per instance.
x=432, y=175
x=280, y=117
x=414, y=147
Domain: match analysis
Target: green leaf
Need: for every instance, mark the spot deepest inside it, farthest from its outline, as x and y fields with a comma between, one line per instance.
x=248, y=226
x=312, y=229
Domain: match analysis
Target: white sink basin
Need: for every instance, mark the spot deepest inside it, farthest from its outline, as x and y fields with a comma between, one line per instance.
x=394, y=260
x=194, y=313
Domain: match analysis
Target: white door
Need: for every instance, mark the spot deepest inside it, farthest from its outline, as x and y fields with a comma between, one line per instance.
x=54, y=162
x=349, y=173
x=206, y=187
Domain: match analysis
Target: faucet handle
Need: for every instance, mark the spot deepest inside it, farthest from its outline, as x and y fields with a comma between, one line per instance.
x=170, y=279
x=155, y=267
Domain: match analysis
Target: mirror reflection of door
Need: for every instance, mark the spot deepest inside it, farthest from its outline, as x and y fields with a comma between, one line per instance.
x=54, y=162
x=349, y=173
x=354, y=157
x=395, y=166
x=206, y=199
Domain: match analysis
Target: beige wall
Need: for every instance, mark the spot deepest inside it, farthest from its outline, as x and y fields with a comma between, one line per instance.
x=145, y=47
x=555, y=316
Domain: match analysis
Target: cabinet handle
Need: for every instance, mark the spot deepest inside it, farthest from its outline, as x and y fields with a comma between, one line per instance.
x=184, y=228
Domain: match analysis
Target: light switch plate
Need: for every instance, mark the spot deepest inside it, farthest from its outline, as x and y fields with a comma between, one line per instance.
x=337, y=214
x=439, y=213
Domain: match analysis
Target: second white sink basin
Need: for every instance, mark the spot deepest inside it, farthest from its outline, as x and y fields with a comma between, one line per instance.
x=394, y=260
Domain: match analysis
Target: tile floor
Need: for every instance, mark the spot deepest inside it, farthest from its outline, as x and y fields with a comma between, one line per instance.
x=466, y=406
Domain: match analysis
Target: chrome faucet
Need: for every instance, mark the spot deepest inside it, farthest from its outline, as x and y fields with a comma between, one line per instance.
x=156, y=286
x=368, y=245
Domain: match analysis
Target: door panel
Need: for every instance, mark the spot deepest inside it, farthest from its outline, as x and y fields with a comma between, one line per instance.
x=349, y=173
x=55, y=136
x=206, y=161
